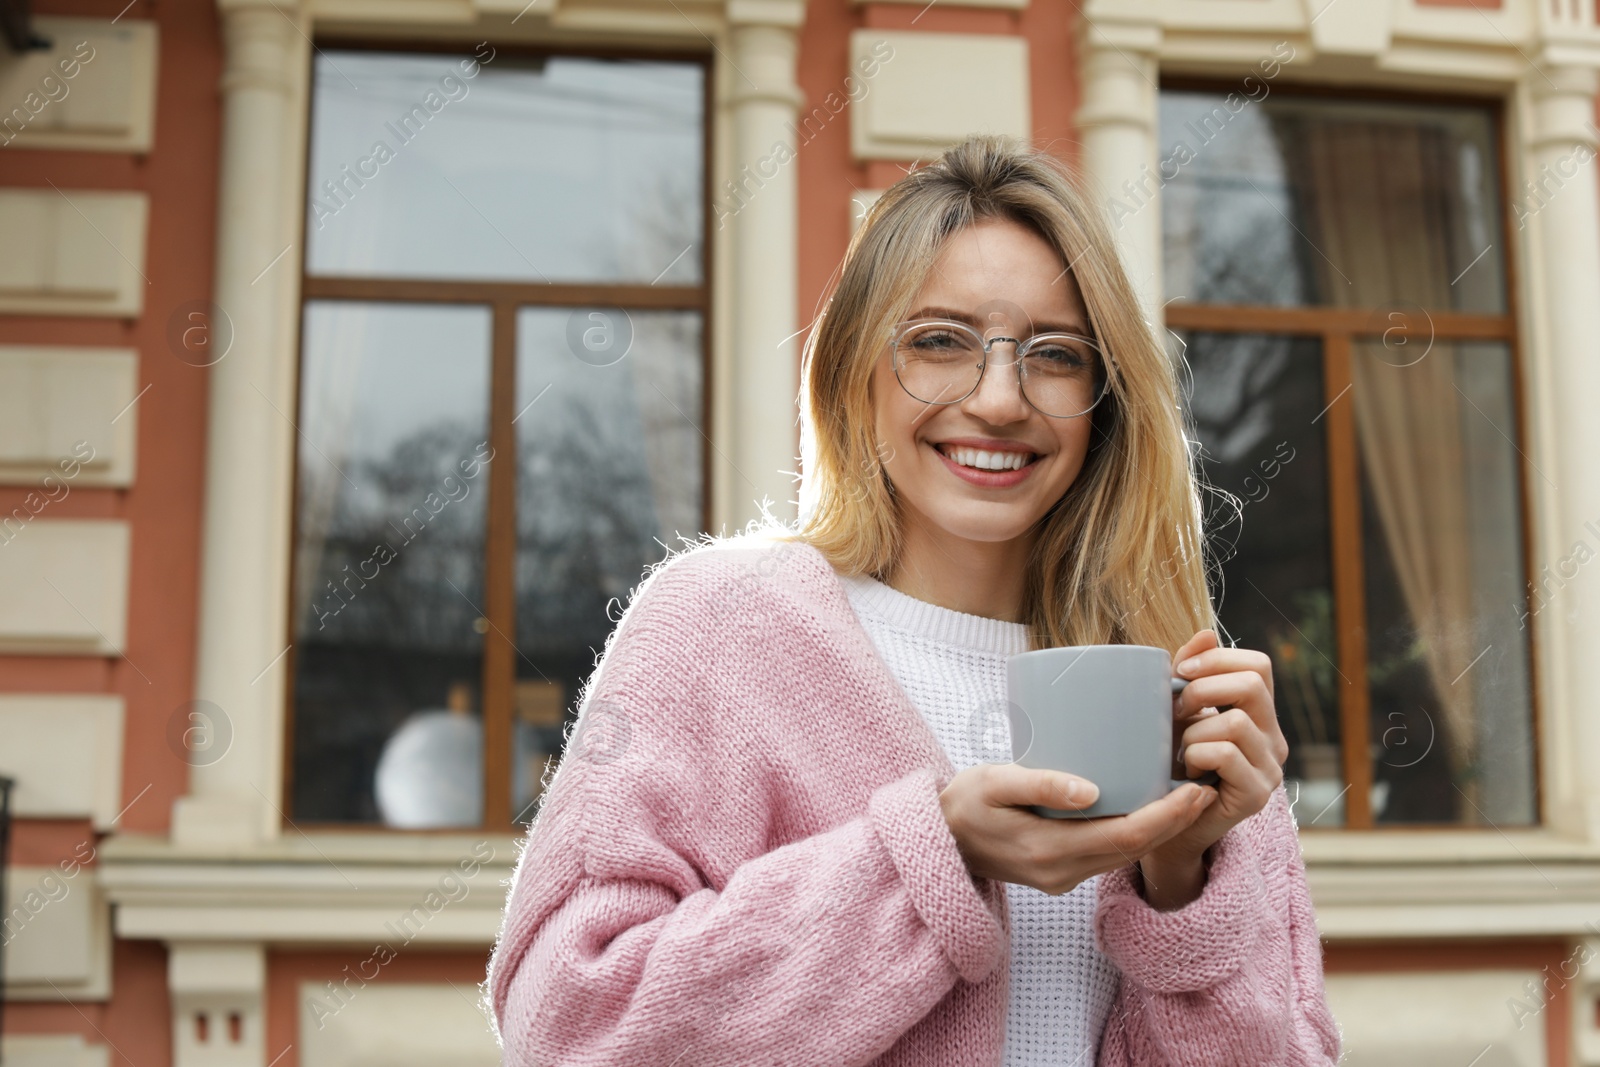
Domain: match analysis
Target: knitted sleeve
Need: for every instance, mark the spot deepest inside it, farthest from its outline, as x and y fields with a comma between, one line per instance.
x=1235, y=977
x=660, y=914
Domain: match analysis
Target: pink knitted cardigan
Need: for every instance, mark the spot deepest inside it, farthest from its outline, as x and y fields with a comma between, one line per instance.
x=742, y=861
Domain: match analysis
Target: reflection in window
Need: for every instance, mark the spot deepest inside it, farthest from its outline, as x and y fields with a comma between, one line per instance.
x=610, y=474
x=559, y=169
x=1297, y=200
x=1253, y=401
x=390, y=515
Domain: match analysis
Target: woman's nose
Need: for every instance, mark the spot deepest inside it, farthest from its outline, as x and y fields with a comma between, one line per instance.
x=998, y=397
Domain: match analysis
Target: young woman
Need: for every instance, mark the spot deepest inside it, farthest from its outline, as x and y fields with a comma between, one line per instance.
x=784, y=831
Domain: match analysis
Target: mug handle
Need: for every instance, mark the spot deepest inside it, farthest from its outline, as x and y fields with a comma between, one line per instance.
x=1206, y=777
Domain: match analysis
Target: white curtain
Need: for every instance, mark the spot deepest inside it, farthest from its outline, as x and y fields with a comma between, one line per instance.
x=1393, y=250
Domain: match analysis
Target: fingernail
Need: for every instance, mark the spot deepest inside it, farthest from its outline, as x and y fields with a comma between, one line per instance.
x=1080, y=791
x=1189, y=665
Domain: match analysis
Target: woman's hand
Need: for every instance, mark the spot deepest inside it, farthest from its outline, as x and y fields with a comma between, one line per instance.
x=986, y=808
x=1243, y=744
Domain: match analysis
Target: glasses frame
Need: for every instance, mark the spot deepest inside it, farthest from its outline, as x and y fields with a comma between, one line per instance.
x=987, y=343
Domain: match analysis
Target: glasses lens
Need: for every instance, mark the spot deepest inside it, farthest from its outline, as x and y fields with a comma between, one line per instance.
x=1062, y=375
x=938, y=363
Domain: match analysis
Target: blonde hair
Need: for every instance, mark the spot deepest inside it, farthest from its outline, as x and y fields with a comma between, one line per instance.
x=1118, y=559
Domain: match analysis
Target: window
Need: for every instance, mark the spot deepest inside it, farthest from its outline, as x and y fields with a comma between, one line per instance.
x=503, y=389
x=1336, y=270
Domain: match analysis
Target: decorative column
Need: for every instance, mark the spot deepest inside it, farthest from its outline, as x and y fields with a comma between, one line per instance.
x=1117, y=121
x=759, y=198
x=244, y=582
x=1555, y=203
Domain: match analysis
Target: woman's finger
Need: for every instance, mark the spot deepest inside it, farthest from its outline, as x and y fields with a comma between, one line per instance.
x=1231, y=765
x=1216, y=660
x=1201, y=642
x=1241, y=689
x=1236, y=726
x=1132, y=835
x=1010, y=786
x=1064, y=852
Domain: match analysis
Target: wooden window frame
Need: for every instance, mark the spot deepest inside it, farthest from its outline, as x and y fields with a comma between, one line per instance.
x=1337, y=328
x=503, y=300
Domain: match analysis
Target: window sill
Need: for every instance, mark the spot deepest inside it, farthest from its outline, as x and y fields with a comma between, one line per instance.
x=1441, y=845
x=344, y=888
x=356, y=888
x=1466, y=883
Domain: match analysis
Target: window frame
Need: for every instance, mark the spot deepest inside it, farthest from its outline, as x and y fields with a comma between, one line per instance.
x=503, y=300
x=1336, y=328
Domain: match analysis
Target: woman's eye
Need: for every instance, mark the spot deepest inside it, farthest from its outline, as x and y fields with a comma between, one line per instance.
x=935, y=342
x=1060, y=357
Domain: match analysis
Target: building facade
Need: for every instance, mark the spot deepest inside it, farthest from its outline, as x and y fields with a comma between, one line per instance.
x=356, y=356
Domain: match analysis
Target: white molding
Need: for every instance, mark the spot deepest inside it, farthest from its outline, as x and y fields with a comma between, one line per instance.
x=333, y=888
x=1419, y=848
x=53, y=1050
x=65, y=752
x=108, y=105
x=1213, y=16
x=1350, y=27
x=54, y=396
x=1009, y=5
x=358, y=848
x=1440, y=1018
x=73, y=252
x=63, y=586
x=933, y=90
x=349, y=888
x=59, y=946
x=353, y=1021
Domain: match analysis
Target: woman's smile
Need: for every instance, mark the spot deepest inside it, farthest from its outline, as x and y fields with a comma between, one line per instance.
x=987, y=462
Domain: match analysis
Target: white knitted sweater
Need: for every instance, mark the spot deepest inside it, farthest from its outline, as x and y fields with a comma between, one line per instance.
x=953, y=667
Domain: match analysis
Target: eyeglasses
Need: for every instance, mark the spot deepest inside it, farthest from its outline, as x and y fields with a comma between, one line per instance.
x=1061, y=375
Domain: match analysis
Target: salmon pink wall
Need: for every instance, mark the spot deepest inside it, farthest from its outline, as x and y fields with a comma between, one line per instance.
x=164, y=504
x=135, y=1026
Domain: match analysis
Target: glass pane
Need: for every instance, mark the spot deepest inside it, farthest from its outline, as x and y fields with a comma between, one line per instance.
x=610, y=456
x=1255, y=403
x=1447, y=608
x=1306, y=200
x=562, y=169
x=390, y=511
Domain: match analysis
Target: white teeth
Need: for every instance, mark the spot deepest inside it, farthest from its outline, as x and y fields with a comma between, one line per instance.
x=988, y=461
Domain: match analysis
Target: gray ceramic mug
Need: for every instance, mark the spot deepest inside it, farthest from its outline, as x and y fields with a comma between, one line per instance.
x=1101, y=712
